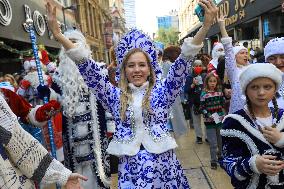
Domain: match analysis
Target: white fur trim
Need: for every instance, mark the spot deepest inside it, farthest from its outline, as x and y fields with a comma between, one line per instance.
x=273, y=47
x=32, y=118
x=253, y=164
x=280, y=142
x=56, y=172
x=188, y=49
x=251, y=146
x=142, y=136
x=248, y=127
x=79, y=53
x=254, y=71
x=96, y=134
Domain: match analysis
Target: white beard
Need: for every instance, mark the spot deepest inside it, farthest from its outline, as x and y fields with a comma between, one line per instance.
x=32, y=77
x=71, y=82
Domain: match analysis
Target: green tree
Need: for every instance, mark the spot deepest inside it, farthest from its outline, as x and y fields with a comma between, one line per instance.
x=167, y=36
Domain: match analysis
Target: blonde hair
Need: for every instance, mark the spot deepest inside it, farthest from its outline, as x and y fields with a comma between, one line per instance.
x=125, y=96
x=15, y=84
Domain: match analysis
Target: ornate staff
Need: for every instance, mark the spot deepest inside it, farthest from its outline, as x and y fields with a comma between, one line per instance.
x=29, y=24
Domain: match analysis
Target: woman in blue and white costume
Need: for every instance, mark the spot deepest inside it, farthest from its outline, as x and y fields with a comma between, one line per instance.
x=141, y=102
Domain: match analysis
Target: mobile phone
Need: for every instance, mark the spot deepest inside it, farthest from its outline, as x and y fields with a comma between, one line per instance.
x=199, y=12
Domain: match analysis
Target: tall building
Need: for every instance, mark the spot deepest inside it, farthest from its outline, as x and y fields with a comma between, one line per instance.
x=96, y=24
x=130, y=13
x=188, y=21
x=169, y=21
x=118, y=20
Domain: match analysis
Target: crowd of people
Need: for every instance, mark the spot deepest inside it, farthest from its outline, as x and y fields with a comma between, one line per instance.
x=119, y=118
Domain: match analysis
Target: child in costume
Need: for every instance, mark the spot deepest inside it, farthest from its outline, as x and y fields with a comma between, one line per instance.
x=253, y=138
x=141, y=103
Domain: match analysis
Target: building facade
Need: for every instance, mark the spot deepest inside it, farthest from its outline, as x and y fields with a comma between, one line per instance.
x=95, y=22
x=14, y=39
x=130, y=13
x=118, y=18
x=188, y=21
x=254, y=21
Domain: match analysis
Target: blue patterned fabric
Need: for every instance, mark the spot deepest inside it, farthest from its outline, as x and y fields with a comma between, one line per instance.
x=151, y=171
x=162, y=97
x=137, y=39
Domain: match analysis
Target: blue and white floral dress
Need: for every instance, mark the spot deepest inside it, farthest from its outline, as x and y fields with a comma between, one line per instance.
x=142, y=141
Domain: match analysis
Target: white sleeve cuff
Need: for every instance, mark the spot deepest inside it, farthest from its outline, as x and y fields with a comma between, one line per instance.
x=280, y=143
x=226, y=40
x=79, y=53
x=188, y=49
x=253, y=164
x=32, y=117
x=56, y=173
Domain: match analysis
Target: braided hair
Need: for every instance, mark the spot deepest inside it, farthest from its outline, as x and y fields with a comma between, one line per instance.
x=275, y=105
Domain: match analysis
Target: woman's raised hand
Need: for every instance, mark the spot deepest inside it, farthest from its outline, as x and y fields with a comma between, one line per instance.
x=221, y=20
x=222, y=25
x=51, y=20
x=210, y=10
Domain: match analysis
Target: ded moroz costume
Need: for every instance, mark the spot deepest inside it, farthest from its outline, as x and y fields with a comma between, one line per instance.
x=84, y=123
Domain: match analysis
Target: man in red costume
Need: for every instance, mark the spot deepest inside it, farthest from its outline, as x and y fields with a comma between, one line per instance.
x=36, y=116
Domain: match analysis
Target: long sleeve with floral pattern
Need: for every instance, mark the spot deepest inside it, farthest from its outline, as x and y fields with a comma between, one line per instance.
x=237, y=99
x=126, y=140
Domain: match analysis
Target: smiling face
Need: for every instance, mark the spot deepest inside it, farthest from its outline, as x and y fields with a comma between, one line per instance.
x=242, y=57
x=261, y=91
x=277, y=60
x=137, y=69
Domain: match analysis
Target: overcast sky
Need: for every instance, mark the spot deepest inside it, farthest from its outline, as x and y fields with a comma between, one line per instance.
x=148, y=10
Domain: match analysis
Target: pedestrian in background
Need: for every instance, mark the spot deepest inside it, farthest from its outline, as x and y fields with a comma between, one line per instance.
x=212, y=106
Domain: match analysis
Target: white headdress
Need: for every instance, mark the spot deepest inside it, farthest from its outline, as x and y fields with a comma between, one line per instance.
x=273, y=47
x=258, y=70
x=216, y=54
x=136, y=39
x=237, y=49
